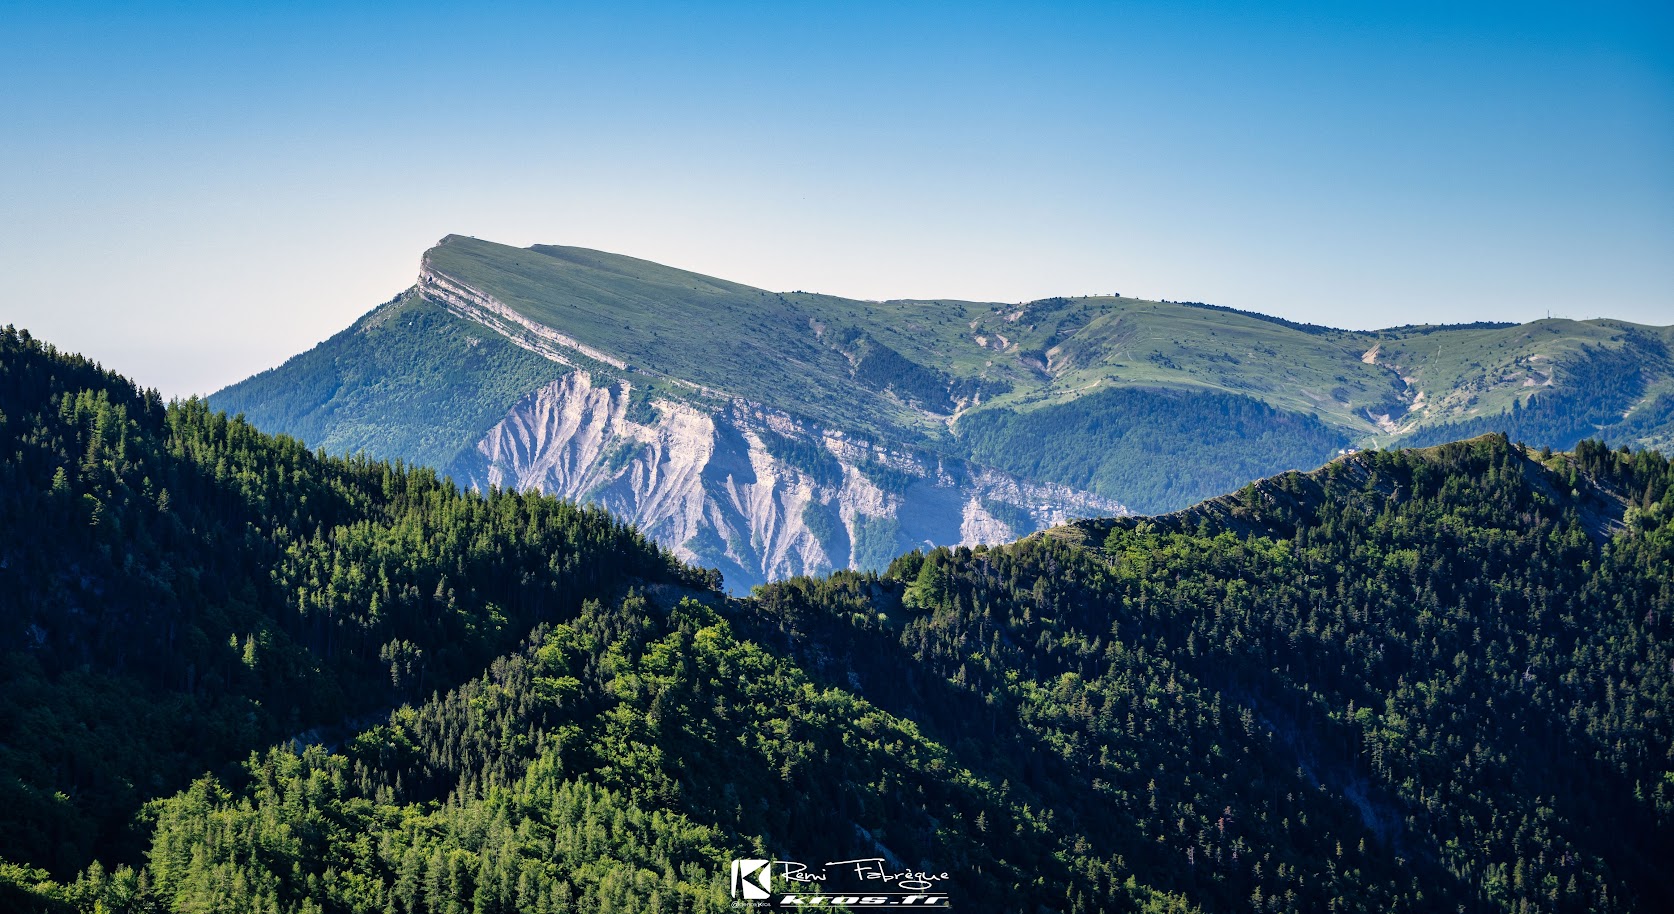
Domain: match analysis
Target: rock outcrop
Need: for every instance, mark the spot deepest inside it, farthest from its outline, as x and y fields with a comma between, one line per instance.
x=752, y=491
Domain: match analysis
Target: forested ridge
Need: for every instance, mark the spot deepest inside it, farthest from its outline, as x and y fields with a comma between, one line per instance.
x=177, y=588
x=1416, y=680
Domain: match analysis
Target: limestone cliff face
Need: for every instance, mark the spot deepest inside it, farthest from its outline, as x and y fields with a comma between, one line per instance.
x=756, y=493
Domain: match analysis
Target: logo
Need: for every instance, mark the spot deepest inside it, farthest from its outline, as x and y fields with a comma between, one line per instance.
x=862, y=883
x=752, y=879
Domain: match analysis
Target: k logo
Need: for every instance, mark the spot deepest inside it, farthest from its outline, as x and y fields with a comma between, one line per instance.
x=752, y=879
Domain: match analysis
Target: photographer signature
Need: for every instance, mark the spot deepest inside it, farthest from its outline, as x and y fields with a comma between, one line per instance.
x=865, y=869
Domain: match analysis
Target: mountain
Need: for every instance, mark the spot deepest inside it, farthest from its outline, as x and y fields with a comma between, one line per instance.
x=1409, y=680
x=177, y=588
x=770, y=434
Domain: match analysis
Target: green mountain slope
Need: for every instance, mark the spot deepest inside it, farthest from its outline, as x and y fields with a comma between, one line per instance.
x=450, y=376
x=1117, y=438
x=1418, y=680
x=177, y=589
x=1040, y=388
x=724, y=336
x=407, y=381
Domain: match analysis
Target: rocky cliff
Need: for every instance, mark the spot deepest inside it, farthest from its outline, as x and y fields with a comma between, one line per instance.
x=753, y=491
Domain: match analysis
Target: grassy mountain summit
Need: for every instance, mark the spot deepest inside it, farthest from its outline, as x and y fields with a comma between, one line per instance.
x=1409, y=680
x=1385, y=383
x=822, y=357
x=774, y=433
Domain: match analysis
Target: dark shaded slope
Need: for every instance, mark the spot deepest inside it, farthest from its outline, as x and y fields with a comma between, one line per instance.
x=177, y=588
x=1280, y=506
x=1407, y=681
x=617, y=763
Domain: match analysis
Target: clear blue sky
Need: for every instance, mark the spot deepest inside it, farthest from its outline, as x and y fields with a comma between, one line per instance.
x=192, y=192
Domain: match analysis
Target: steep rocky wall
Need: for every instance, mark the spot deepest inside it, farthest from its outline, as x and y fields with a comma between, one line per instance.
x=754, y=492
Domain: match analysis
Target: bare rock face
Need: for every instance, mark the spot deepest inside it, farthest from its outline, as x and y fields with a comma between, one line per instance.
x=754, y=492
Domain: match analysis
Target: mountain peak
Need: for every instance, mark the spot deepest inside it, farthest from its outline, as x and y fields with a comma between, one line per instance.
x=467, y=258
x=604, y=377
